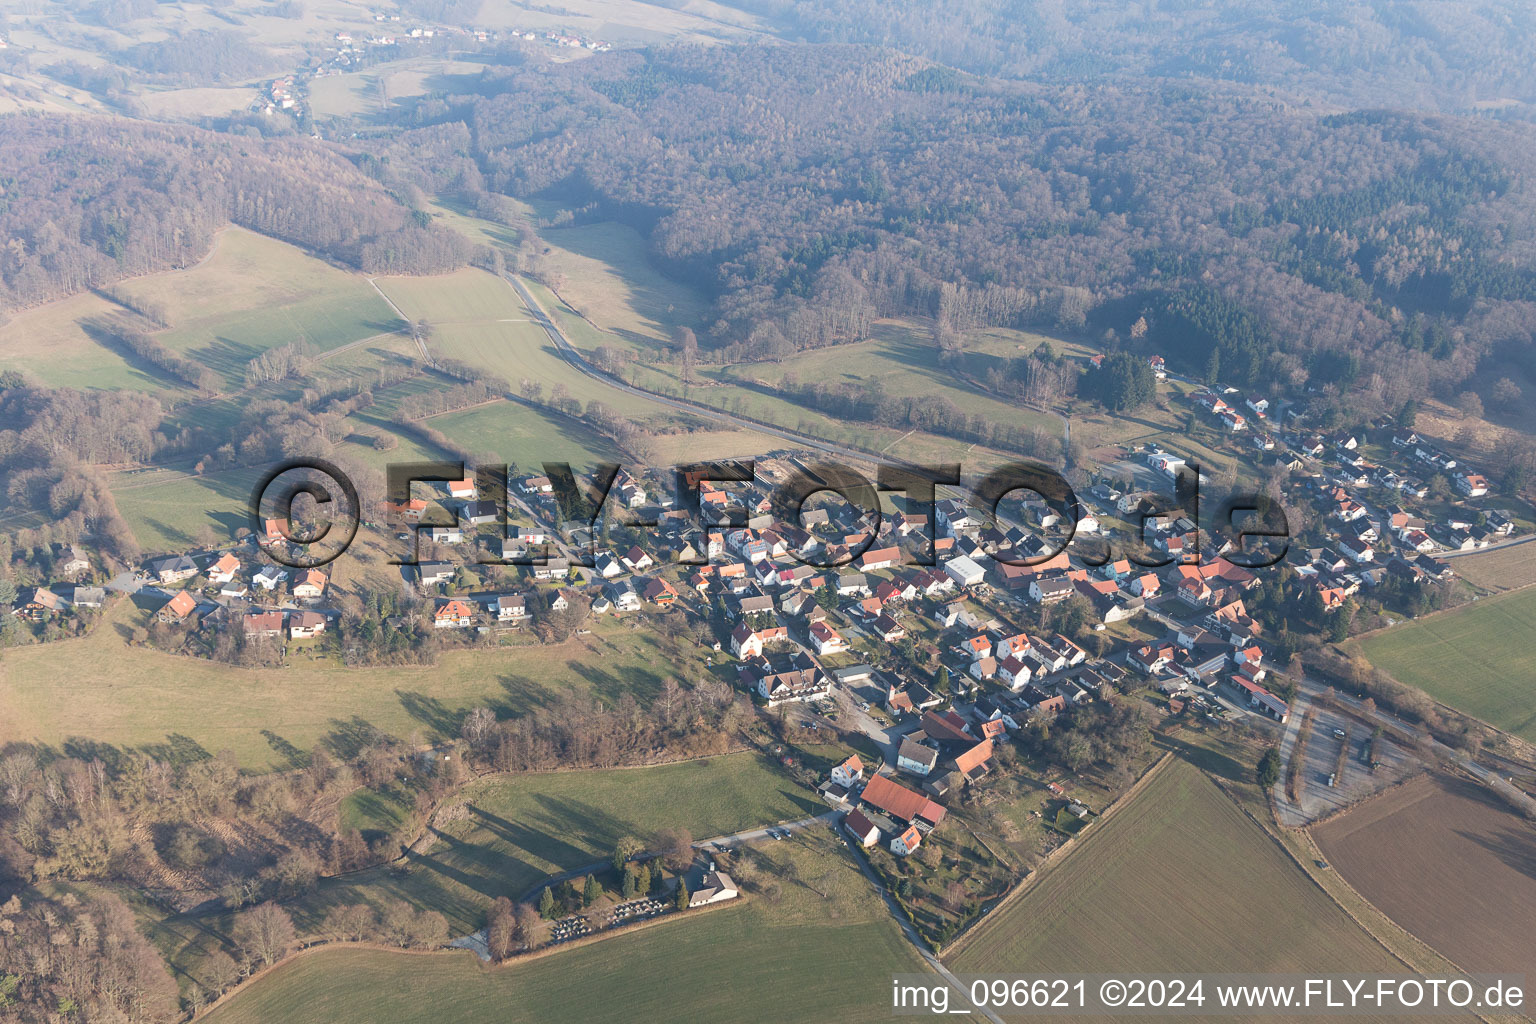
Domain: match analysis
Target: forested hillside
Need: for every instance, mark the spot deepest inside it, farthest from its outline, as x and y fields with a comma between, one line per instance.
x=810, y=188
x=1424, y=54
x=86, y=201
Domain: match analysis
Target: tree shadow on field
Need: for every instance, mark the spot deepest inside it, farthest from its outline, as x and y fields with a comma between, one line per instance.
x=176, y=536
x=1212, y=761
x=1516, y=849
x=178, y=750
x=522, y=696
x=643, y=683
x=294, y=757
x=346, y=739
x=431, y=712
x=558, y=822
x=492, y=866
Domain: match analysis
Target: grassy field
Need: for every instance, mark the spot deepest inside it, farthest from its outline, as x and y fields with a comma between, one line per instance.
x=98, y=689
x=1450, y=863
x=1480, y=658
x=801, y=956
x=523, y=828
x=369, y=93
x=255, y=293
x=54, y=344
x=166, y=510
x=1177, y=880
x=905, y=361
x=251, y=294
x=478, y=318
x=525, y=436
x=1505, y=569
x=610, y=278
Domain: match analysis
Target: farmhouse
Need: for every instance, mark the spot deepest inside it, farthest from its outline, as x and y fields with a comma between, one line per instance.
x=901, y=803
x=916, y=757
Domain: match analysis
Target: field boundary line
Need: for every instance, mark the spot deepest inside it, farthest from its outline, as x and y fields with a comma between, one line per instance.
x=1051, y=859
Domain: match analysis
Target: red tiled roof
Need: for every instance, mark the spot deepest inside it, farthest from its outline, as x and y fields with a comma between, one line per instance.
x=893, y=798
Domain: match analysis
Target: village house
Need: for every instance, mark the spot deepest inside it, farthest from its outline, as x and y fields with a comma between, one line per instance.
x=661, y=593
x=88, y=597
x=269, y=576
x=1051, y=591
x=310, y=585
x=479, y=513
x=445, y=535
x=511, y=608
x=535, y=485
x=304, y=625
x=636, y=560
x=73, y=561
x=849, y=773
x=451, y=613
x=716, y=887
x=827, y=640
x=223, y=570
x=861, y=829
x=1472, y=485
x=747, y=643
x=796, y=678
x=263, y=623
x=907, y=842
x=173, y=569
x=430, y=574
x=410, y=509
x=177, y=608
